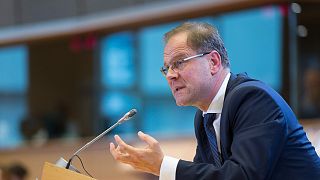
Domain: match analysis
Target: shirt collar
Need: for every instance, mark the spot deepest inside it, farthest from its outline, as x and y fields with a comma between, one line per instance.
x=217, y=102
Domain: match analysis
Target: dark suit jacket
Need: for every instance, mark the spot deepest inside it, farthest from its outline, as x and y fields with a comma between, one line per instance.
x=260, y=139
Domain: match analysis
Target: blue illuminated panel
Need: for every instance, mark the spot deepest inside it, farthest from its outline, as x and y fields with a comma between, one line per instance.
x=14, y=69
x=254, y=42
x=117, y=63
x=13, y=88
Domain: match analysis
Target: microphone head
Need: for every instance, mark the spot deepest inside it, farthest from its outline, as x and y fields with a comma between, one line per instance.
x=132, y=112
x=128, y=115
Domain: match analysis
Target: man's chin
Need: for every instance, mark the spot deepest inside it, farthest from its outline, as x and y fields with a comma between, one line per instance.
x=181, y=103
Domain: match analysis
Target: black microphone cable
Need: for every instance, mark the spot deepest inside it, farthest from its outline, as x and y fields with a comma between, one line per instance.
x=69, y=163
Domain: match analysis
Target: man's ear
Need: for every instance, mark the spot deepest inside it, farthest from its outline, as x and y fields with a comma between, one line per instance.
x=215, y=62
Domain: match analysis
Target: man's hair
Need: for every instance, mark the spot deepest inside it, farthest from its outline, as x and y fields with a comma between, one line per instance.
x=201, y=37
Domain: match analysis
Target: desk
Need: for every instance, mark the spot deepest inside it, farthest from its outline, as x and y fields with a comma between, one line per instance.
x=97, y=158
x=99, y=162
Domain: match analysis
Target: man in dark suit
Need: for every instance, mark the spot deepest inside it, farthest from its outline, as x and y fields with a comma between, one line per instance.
x=244, y=129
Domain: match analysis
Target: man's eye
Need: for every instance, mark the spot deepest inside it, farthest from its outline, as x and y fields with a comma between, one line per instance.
x=178, y=64
x=174, y=65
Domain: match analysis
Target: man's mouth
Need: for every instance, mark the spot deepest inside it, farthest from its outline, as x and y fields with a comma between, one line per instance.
x=177, y=89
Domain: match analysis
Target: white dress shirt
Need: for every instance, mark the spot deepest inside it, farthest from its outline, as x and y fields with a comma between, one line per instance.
x=169, y=164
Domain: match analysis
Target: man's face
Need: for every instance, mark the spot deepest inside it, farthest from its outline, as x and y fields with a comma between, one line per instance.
x=190, y=85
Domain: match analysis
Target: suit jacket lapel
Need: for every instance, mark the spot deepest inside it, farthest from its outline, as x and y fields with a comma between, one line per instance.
x=226, y=126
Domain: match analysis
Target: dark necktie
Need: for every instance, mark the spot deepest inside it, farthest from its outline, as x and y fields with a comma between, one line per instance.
x=211, y=134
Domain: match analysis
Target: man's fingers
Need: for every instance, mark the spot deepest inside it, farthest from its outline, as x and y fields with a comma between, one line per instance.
x=124, y=146
x=117, y=154
x=148, y=139
x=145, y=159
x=112, y=147
x=113, y=151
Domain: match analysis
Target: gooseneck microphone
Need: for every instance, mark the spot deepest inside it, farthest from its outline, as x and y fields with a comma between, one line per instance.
x=126, y=117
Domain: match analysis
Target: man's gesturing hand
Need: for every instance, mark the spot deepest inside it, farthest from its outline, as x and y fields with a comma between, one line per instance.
x=146, y=159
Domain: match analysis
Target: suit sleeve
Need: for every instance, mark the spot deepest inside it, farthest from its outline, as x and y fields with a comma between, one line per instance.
x=258, y=130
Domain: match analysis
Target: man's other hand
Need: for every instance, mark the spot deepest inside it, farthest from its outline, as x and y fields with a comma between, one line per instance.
x=146, y=159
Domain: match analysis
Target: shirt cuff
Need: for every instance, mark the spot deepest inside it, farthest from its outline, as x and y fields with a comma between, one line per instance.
x=168, y=168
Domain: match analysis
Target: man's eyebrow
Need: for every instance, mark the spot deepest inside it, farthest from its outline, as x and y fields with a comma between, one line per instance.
x=176, y=58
